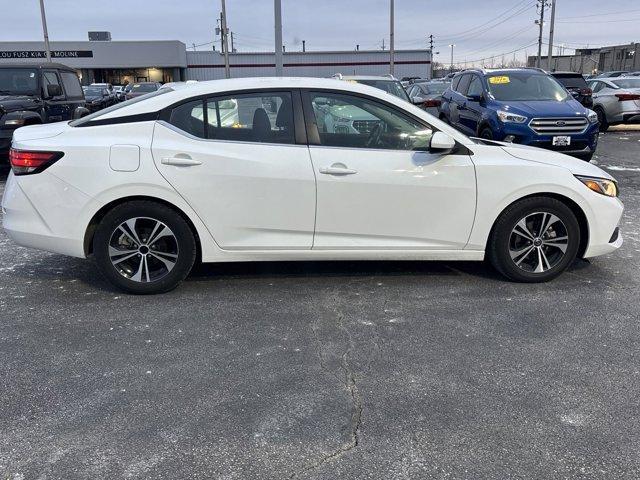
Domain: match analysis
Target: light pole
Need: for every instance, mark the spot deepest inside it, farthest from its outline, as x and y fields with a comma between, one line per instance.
x=45, y=31
x=451, y=45
x=277, y=13
x=391, y=39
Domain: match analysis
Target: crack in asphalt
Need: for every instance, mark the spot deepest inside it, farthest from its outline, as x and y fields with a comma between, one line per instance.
x=350, y=384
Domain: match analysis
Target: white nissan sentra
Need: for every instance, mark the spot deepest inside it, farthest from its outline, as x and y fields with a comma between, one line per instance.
x=296, y=169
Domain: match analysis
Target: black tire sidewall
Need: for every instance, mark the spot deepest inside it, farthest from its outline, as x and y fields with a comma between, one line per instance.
x=486, y=130
x=602, y=119
x=499, y=242
x=180, y=228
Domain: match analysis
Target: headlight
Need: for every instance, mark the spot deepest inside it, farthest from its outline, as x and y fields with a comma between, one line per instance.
x=508, y=117
x=592, y=116
x=15, y=122
x=602, y=186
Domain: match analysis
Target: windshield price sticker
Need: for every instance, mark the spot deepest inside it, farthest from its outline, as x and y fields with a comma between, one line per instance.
x=499, y=80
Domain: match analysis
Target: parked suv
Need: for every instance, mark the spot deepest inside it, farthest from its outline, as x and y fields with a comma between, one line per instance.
x=522, y=105
x=577, y=86
x=37, y=93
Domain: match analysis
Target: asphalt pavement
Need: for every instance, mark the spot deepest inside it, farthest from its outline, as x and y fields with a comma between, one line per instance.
x=354, y=370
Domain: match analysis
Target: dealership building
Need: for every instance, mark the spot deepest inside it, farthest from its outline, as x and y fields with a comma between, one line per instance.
x=120, y=62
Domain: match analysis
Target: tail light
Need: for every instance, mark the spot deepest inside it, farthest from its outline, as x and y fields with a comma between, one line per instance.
x=622, y=97
x=431, y=103
x=586, y=92
x=25, y=162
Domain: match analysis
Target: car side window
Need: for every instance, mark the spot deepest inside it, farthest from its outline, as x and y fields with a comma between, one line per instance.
x=358, y=122
x=464, y=84
x=257, y=117
x=455, y=83
x=71, y=85
x=475, y=87
x=188, y=117
x=597, y=86
x=50, y=78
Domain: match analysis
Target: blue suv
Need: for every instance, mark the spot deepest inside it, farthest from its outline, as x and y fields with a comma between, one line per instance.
x=520, y=105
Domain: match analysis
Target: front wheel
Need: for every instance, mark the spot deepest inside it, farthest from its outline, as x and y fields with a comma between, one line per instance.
x=144, y=247
x=534, y=240
x=602, y=119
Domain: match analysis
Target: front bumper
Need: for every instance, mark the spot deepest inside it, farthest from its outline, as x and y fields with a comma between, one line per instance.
x=584, y=143
x=604, y=231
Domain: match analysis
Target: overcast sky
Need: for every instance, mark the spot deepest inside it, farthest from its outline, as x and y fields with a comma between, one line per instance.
x=479, y=28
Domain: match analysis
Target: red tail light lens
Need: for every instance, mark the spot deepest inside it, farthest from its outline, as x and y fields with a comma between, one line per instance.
x=431, y=103
x=25, y=162
x=627, y=96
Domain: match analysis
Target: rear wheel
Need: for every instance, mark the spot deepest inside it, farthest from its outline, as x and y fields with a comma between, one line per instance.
x=144, y=247
x=534, y=240
x=602, y=119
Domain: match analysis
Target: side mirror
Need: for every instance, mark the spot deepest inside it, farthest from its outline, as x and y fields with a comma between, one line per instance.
x=474, y=98
x=54, y=90
x=417, y=100
x=441, y=143
x=80, y=112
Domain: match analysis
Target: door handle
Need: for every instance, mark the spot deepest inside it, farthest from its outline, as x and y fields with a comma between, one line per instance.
x=180, y=161
x=337, y=169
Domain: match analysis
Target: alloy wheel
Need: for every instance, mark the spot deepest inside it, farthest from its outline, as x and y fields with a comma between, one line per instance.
x=143, y=249
x=538, y=242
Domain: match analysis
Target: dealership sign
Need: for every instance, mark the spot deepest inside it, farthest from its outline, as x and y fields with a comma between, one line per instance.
x=42, y=54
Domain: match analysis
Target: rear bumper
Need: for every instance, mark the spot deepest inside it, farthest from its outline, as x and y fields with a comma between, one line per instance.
x=23, y=214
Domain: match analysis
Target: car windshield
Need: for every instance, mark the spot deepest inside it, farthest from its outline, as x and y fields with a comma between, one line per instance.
x=18, y=81
x=433, y=87
x=93, y=91
x=390, y=86
x=118, y=106
x=144, y=87
x=571, y=81
x=627, y=82
x=525, y=86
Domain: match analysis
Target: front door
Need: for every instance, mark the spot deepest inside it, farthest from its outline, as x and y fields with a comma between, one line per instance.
x=378, y=186
x=236, y=162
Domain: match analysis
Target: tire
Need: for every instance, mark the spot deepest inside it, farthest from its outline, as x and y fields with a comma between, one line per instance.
x=547, y=257
x=602, y=119
x=131, y=262
x=443, y=117
x=486, y=133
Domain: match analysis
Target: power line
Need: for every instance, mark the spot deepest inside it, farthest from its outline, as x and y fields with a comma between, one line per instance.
x=604, y=21
x=601, y=14
x=535, y=42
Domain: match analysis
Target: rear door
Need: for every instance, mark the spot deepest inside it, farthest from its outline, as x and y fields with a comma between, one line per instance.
x=459, y=103
x=471, y=114
x=243, y=166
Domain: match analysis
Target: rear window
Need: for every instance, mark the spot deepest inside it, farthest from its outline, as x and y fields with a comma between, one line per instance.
x=390, y=86
x=145, y=87
x=627, y=82
x=118, y=106
x=571, y=81
x=71, y=84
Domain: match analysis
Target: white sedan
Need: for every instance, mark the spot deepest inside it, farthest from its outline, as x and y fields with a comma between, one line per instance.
x=151, y=185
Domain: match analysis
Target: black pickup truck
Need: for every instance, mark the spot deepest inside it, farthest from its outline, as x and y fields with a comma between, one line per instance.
x=37, y=93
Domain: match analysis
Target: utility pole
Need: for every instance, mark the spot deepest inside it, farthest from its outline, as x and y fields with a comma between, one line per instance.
x=304, y=46
x=391, y=34
x=225, y=43
x=277, y=13
x=47, y=48
x=431, y=57
x=233, y=47
x=383, y=47
x=451, y=45
x=541, y=25
x=553, y=19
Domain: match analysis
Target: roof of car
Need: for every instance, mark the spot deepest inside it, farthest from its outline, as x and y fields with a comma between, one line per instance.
x=388, y=78
x=576, y=74
x=212, y=87
x=57, y=66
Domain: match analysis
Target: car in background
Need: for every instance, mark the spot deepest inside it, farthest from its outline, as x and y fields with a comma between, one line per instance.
x=35, y=93
x=520, y=105
x=119, y=92
x=109, y=87
x=97, y=97
x=149, y=186
x=427, y=95
x=389, y=83
x=577, y=86
x=613, y=73
x=142, y=88
x=616, y=100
